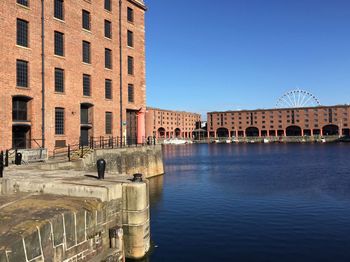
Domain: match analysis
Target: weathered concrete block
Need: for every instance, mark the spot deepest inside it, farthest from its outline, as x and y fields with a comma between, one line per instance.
x=47, y=242
x=32, y=245
x=58, y=230
x=69, y=224
x=16, y=253
x=80, y=226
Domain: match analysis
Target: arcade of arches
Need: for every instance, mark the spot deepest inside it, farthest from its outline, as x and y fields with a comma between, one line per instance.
x=176, y=133
x=293, y=130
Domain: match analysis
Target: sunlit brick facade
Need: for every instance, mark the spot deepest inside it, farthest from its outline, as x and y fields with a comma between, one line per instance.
x=311, y=121
x=161, y=123
x=83, y=64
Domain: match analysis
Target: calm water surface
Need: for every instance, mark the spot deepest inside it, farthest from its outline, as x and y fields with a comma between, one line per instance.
x=256, y=202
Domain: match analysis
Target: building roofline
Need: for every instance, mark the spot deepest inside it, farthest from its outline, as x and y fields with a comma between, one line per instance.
x=278, y=109
x=167, y=110
x=139, y=3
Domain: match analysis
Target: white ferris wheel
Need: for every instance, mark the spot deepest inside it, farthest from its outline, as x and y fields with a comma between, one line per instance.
x=297, y=98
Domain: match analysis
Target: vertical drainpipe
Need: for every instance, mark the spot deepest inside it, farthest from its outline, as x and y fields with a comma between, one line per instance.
x=42, y=74
x=120, y=72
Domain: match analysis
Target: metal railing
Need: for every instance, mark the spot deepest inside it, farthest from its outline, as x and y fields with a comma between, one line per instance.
x=83, y=148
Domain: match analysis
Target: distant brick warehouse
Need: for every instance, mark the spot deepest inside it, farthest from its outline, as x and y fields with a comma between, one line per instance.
x=163, y=123
x=66, y=89
x=310, y=121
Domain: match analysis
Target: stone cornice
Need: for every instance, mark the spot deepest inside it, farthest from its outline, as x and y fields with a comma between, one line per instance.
x=138, y=3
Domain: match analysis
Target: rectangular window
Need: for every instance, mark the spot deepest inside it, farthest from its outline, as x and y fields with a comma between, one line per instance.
x=59, y=121
x=86, y=52
x=59, y=43
x=108, y=58
x=108, y=89
x=108, y=29
x=131, y=93
x=22, y=73
x=86, y=85
x=23, y=2
x=108, y=6
x=19, y=110
x=130, y=65
x=58, y=9
x=130, y=15
x=86, y=20
x=59, y=80
x=130, y=38
x=22, y=32
x=108, y=123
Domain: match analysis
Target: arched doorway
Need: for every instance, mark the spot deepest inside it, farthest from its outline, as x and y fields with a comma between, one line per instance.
x=293, y=131
x=161, y=132
x=222, y=132
x=330, y=130
x=177, y=132
x=252, y=131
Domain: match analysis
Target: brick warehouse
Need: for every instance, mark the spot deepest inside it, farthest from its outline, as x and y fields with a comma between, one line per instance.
x=308, y=121
x=162, y=123
x=67, y=88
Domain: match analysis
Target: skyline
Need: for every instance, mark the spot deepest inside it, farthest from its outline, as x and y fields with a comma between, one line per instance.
x=245, y=55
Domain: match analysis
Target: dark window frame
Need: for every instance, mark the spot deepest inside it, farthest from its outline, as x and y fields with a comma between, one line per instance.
x=108, y=89
x=23, y=2
x=86, y=52
x=59, y=121
x=108, y=5
x=19, y=109
x=86, y=85
x=108, y=29
x=131, y=93
x=108, y=58
x=22, y=32
x=130, y=15
x=86, y=20
x=59, y=9
x=130, y=38
x=22, y=73
x=59, y=80
x=130, y=65
x=59, y=43
x=108, y=123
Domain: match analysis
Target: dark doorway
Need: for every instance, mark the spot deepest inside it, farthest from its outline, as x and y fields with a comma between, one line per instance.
x=84, y=136
x=20, y=136
x=131, y=127
x=252, y=131
x=330, y=130
x=272, y=133
x=346, y=132
x=307, y=132
x=293, y=131
x=177, y=132
x=222, y=132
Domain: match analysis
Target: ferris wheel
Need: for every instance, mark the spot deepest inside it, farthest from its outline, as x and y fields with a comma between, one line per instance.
x=297, y=98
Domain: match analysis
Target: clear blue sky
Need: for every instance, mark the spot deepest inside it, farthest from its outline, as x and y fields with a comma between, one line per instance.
x=243, y=54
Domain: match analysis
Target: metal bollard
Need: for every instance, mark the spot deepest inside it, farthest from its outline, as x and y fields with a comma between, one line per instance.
x=7, y=158
x=101, y=168
x=18, y=159
x=1, y=164
x=137, y=177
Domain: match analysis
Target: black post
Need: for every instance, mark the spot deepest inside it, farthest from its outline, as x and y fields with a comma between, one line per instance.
x=82, y=151
x=100, y=141
x=101, y=168
x=7, y=158
x=69, y=153
x=1, y=164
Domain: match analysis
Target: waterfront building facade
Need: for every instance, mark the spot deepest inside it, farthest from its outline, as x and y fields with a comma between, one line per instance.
x=71, y=70
x=305, y=121
x=161, y=123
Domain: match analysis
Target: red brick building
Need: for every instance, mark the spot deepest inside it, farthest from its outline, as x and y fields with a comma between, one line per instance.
x=71, y=70
x=163, y=123
x=308, y=121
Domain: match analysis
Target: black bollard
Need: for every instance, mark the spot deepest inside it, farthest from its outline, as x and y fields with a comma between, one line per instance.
x=1, y=164
x=18, y=159
x=137, y=177
x=7, y=158
x=101, y=168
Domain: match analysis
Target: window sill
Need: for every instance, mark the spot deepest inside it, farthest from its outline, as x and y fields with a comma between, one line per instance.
x=88, y=64
x=23, y=87
x=24, y=47
x=85, y=96
x=59, y=20
x=59, y=93
x=23, y=6
x=86, y=30
x=130, y=47
x=108, y=38
x=59, y=56
x=108, y=69
x=60, y=135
